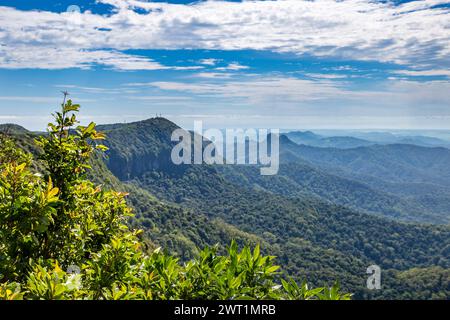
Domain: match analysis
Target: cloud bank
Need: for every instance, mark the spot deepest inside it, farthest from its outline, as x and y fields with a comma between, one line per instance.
x=416, y=34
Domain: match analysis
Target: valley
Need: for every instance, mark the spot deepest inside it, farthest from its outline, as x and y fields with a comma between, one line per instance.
x=323, y=221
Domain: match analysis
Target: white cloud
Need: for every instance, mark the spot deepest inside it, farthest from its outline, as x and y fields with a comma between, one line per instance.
x=213, y=75
x=44, y=57
x=326, y=75
x=93, y=90
x=258, y=90
x=234, y=66
x=416, y=33
x=209, y=62
x=426, y=73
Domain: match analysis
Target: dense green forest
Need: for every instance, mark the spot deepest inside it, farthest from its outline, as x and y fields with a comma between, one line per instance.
x=314, y=221
x=415, y=177
x=322, y=225
x=65, y=237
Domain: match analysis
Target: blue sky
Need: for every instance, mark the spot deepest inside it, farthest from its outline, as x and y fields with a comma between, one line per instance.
x=278, y=64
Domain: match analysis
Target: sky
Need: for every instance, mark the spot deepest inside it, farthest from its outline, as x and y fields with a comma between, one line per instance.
x=350, y=64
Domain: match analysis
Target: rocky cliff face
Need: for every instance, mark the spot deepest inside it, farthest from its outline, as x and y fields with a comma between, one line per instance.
x=139, y=147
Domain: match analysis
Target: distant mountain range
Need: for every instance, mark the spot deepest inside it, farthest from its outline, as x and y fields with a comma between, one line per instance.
x=329, y=213
x=311, y=139
x=363, y=139
x=417, y=177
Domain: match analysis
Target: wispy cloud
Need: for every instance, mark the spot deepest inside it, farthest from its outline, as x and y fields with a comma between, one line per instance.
x=213, y=75
x=234, y=66
x=32, y=56
x=209, y=61
x=99, y=90
x=326, y=75
x=392, y=97
x=284, y=88
x=425, y=73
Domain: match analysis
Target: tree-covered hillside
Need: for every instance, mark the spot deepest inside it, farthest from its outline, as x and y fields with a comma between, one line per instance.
x=63, y=237
x=315, y=232
x=394, y=162
x=414, y=177
x=310, y=235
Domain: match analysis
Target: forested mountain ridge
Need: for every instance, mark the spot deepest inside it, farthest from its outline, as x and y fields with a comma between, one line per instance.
x=206, y=190
x=362, y=139
x=394, y=162
x=407, y=174
x=313, y=238
x=302, y=180
x=297, y=175
x=179, y=230
x=176, y=229
x=149, y=150
x=11, y=128
x=62, y=237
x=312, y=139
